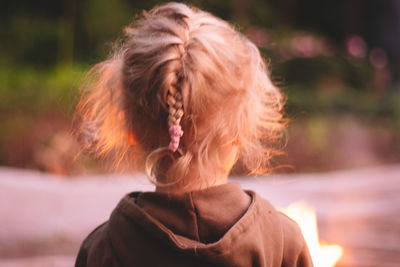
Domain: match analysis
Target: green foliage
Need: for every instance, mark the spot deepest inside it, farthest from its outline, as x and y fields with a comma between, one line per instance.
x=34, y=89
x=310, y=71
x=348, y=101
x=103, y=21
x=29, y=40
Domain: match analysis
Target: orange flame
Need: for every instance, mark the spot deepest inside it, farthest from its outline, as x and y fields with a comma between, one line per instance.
x=323, y=255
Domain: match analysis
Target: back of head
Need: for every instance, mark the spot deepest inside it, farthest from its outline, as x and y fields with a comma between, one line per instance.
x=181, y=66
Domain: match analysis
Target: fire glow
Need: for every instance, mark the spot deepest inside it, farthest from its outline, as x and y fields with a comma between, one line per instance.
x=323, y=255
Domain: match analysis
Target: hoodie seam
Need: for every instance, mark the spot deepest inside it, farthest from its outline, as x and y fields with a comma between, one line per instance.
x=236, y=234
x=138, y=219
x=112, y=248
x=283, y=234
x=196, y=224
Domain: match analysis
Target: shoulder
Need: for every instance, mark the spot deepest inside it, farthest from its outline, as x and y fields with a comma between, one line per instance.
x=291, y=230
x=96, y=237
x=295, y=252
x=94, y=248
x=293, y=248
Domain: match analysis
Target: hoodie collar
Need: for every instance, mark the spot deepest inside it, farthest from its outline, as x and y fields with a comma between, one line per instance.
x=181, y=221
x=203, y=216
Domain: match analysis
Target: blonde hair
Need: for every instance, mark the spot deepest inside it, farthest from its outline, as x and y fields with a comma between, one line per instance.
x=180, y=54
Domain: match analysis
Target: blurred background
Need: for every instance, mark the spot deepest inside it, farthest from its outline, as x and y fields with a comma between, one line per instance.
x=338, y=62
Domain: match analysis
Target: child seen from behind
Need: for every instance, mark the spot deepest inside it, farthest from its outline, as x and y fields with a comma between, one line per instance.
x=181, y=99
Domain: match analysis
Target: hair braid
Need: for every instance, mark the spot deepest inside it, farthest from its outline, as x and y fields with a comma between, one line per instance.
x=175, y=107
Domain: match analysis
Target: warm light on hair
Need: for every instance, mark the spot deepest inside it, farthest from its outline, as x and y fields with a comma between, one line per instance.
x=228, y=97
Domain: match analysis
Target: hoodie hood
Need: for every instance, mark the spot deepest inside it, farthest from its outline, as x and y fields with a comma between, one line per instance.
x=221, y=225
x=189, y=214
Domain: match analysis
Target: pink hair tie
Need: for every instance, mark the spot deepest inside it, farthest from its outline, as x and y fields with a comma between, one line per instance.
x=175, y=131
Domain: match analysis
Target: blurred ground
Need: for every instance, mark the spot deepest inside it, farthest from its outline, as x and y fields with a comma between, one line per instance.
x=45, y=217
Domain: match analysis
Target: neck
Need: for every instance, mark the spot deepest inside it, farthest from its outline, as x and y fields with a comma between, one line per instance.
x=200, y=185
x=192, y=182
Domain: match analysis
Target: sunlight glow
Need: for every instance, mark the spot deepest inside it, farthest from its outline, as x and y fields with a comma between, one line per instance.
x=323, y=255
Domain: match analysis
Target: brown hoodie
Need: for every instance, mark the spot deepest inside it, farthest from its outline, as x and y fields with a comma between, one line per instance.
x=218, y=226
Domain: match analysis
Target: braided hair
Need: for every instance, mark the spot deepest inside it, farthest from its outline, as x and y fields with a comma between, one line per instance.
x=180, y=90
